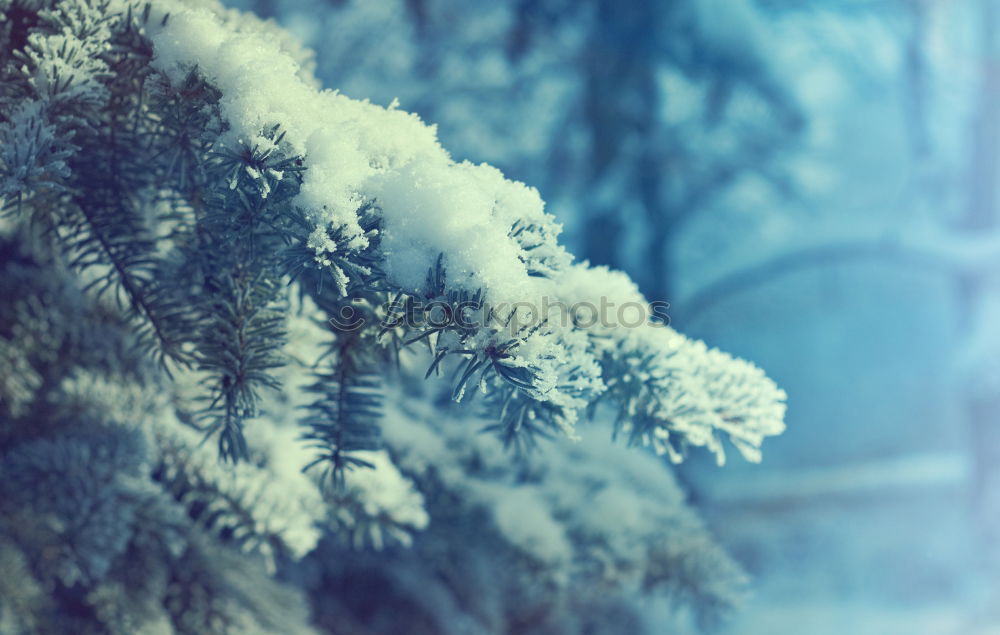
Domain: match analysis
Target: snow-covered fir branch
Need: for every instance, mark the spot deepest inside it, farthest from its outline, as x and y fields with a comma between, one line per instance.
x=360, y=156
x=200, y=244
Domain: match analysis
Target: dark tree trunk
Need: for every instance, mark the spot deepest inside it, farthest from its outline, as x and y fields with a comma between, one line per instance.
x=620, y=110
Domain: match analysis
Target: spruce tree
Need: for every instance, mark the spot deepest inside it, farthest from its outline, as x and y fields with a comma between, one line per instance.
x=244, y=322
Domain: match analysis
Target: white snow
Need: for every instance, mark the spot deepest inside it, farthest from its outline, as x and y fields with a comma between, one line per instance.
x=383, y=490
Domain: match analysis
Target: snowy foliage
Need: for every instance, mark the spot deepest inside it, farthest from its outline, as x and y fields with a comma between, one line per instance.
x=578, y=509
x=201, y=244
x=32, y=157
x=360, y=155
x=95, y=482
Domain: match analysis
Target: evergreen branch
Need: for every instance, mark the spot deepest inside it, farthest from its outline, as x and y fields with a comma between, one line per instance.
x=239, y=346
x=343, y=420
x=128, y=259
x=521, y=420
x=224, y=513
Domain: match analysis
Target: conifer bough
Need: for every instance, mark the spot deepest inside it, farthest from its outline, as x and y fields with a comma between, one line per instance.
x=189, y=165
x=182, y=161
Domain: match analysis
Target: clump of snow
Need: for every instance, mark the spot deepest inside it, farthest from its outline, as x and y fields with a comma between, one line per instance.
x=384, y=491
